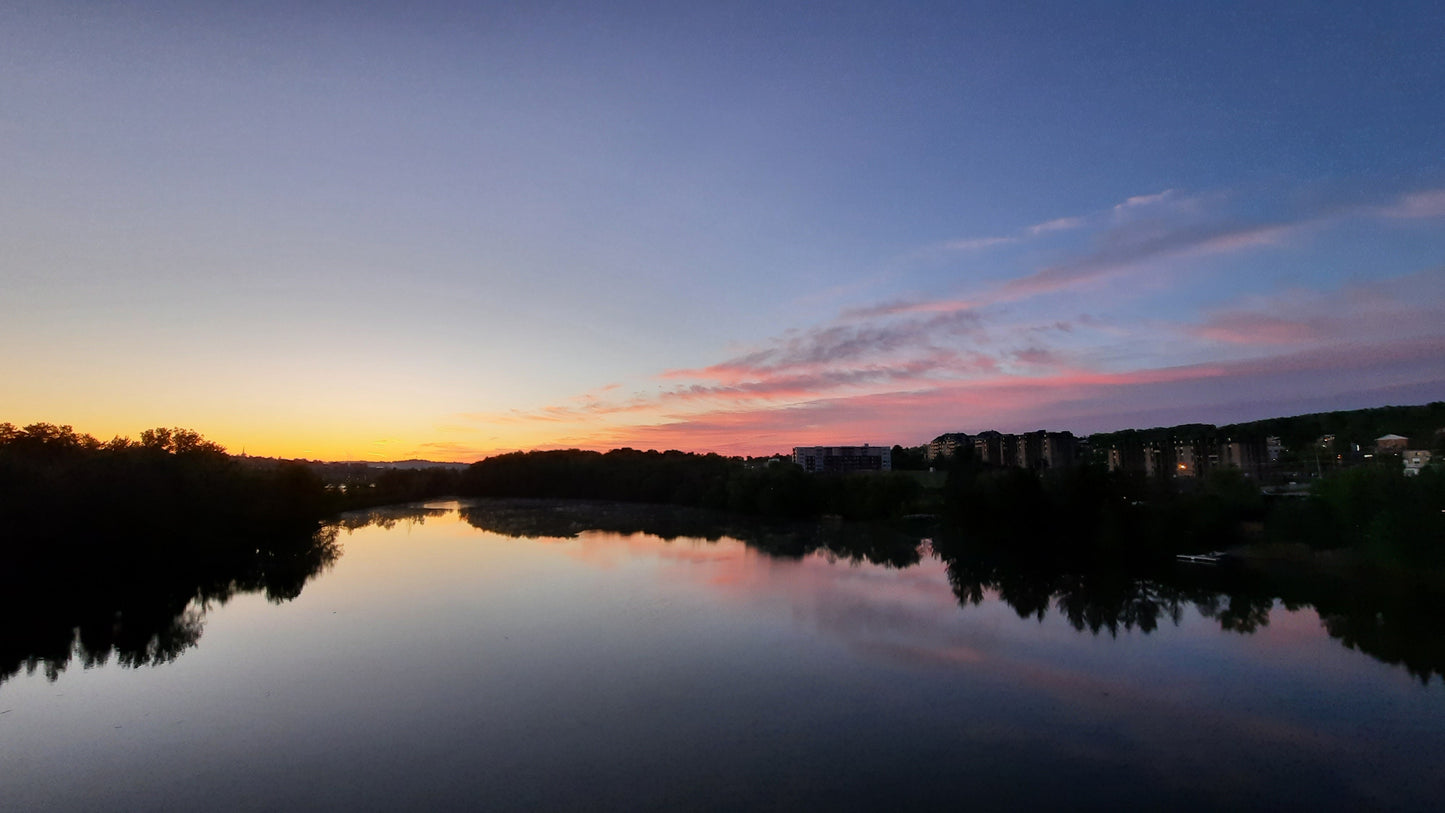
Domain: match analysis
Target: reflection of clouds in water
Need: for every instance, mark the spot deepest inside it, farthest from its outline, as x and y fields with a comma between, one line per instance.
x=1179, y=725
x=606, y=549
x=921, y=655
x=869, y=608
x=911, y=619
x=875, y=611
x=827, y=574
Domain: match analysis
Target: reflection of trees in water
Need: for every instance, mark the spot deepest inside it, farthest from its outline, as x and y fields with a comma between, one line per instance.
x=1094, y=600
x=144, y=610
x=1109, y=601
x=565, y=519
x=1393, y=619
x=1395, y=623
x=1398, y=623
x=136, y=641
x=1237, y=612
x=141, y=600
x=388, y=516
x=150, y=609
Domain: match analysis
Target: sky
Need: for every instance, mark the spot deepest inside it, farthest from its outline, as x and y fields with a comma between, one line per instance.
x=378, y=231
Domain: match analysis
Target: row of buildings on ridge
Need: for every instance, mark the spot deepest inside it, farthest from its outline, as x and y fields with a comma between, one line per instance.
x=1030, y=450
x=1193, y=457
x=1186, y=454
x=1033, y=450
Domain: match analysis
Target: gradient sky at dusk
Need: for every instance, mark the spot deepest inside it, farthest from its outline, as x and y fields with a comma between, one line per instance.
x=380, y=231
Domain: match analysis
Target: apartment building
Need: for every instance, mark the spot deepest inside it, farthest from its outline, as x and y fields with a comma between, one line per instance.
x=843, y=459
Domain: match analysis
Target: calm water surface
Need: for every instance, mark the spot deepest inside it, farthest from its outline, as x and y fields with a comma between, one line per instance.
x=459, y=657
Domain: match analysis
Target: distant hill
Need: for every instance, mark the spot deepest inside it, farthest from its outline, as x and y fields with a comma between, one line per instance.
x=1422, y=424
x=419, y=464
x=361, y=464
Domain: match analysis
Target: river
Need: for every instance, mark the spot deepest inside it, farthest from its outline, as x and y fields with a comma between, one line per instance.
x=560, y=656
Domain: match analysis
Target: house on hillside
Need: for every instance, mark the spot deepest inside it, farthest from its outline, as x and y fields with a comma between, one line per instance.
x=1391, y=443
x=1415, y=460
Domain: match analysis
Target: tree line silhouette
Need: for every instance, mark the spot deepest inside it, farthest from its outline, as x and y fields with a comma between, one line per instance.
x=1373, y=511
x=113, y=550
x=782, y=490
x=1084, y=510
x=67, y=494
x=874, y=543
x=65, y=491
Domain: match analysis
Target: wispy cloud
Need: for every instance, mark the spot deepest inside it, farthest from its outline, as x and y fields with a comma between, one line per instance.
x=976, y=243
x=1256, y=329
x=1179, y=228
x=1138, y=201
x=1080, y=400
x=1058, y=224
x=1142, y=228
x=848, y=342
x=1421, y=205
x=969, y=245
x=1036, y=356
x=899, y=308
x=1123, y=249
x=904, y=370
x=1396, y=308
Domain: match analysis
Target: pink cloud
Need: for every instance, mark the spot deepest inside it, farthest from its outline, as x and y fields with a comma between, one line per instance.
x=1061, y=400
x=1429, y=204
x=1267, y=235
x=1036, y=355
x=893, y=382
x=1255, y=329
x=846, y=343
x=903, y=308
x=1408, y=306
x=906, y=370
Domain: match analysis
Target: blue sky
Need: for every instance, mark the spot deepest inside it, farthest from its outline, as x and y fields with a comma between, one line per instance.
x=386, y=230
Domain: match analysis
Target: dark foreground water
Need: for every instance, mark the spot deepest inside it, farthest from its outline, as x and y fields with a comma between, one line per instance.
x=505, y=657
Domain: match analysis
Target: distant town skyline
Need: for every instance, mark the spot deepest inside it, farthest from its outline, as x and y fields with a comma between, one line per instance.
x=446, y=230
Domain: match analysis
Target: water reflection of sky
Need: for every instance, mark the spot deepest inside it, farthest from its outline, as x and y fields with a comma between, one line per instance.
x=444, y=666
